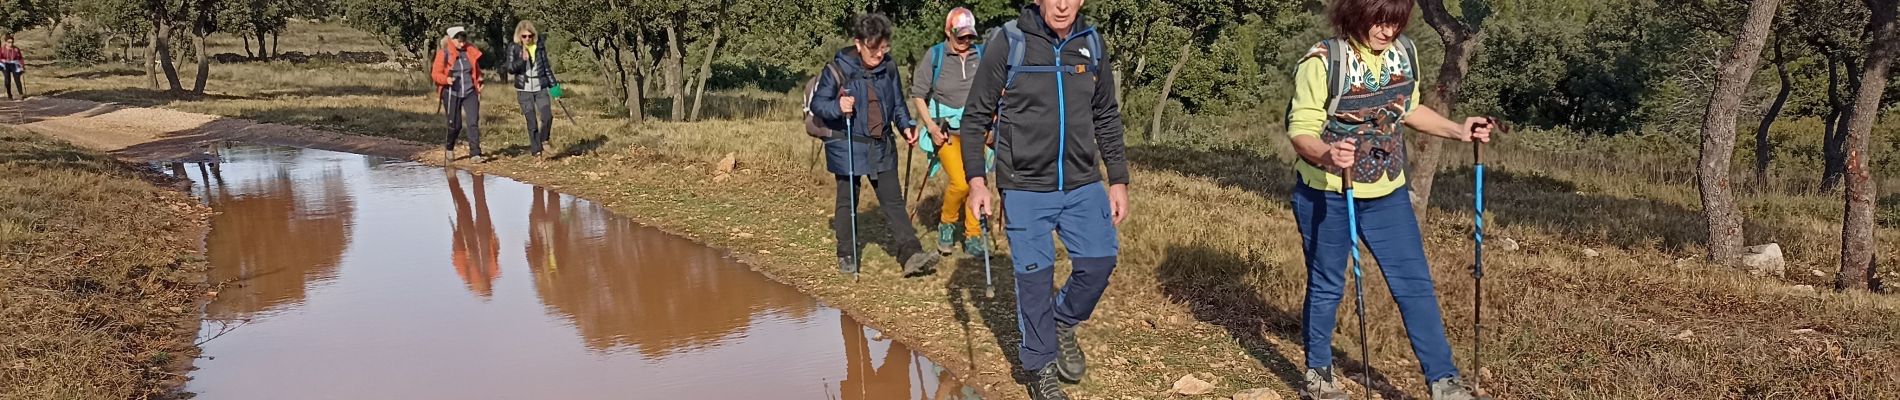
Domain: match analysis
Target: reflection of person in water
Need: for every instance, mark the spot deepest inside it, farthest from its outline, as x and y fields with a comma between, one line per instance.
x=890, y=380
x=475, y=249
x=545, y=228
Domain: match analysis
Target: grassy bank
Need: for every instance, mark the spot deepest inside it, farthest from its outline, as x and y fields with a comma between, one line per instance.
x=1212, y=278
x=98, y=274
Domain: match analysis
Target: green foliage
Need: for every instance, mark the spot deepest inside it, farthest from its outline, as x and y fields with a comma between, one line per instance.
x=405, y=25
x=81, y=47
x=18, y=15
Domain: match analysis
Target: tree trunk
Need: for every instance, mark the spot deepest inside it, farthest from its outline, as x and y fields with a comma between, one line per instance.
x=1167, y=85
x=675, y=76
x=705, y=72
x=1833, y=146
x=1857, y=233
x=1718, y=133
x=247, y=46
x=262, y=50
x=1460, y=44
x=151, y=57
x=1764, y=151
x=274, y=44
x=204, y=61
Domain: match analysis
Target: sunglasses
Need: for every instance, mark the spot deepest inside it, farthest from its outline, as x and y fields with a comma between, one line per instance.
x=527, y=36
x=966, y=38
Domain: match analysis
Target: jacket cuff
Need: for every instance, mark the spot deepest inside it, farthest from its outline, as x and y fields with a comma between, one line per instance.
x=1117, y=174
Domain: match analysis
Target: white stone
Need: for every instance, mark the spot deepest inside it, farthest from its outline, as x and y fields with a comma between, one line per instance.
x=1765, y=260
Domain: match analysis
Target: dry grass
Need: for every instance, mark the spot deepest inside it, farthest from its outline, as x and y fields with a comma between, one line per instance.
x=1211, y=277
x=98, y=271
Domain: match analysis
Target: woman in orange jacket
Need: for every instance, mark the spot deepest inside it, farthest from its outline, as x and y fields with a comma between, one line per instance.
x=458, y=80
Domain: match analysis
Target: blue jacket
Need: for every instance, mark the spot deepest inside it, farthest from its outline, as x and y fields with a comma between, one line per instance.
x=868, y=156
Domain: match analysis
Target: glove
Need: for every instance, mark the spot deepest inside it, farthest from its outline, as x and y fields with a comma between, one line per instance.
x=555, y=91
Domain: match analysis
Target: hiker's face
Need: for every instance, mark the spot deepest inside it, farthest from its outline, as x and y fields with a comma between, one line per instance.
x=872, y=52
x=458, y=41
x=1382, y=36
x=962, y=44
x=1060, y=15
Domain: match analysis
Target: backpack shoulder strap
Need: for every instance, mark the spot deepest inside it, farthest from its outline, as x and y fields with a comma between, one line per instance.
x=936, y=70
x=1095, y=51
x=1014, y=34
x=1338, y=56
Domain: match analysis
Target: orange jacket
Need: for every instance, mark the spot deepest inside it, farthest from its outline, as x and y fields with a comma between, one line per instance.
x=445, y=59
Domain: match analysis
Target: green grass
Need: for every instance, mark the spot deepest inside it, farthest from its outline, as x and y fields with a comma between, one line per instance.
x=1211, y=276
x=98, y=272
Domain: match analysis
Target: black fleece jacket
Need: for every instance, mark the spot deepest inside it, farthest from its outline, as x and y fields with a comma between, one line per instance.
x=1045, y=141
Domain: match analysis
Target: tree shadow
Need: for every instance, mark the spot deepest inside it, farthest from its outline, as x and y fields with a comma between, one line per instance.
x=405, y=91
x=362, y=120
x=1557, y=205
x=139, y=97
x=1238, y=167
x=107, y=72
x=581, y=147
x=1220, y=288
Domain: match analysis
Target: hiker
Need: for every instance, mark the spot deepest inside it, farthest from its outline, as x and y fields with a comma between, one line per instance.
x=866, y=104
x=1358, y=126
x=12, y=66
x=1058, y=134
x=939, y=87
x=534, y=77
x=458, y=81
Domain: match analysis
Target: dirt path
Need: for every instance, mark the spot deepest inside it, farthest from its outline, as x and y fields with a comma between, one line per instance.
x=156, y=134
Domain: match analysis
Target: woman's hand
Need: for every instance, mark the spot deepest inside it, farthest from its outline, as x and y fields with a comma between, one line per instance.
x=1478, y=129
x=1343, y=153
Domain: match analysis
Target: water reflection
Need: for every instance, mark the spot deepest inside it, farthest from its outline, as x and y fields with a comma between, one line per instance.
x=626, y=285
x=474, y=249
x=274, y=236
x=336, y=261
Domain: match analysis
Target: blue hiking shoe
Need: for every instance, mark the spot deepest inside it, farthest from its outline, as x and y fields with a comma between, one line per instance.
x=976, y=247
x=946, y=239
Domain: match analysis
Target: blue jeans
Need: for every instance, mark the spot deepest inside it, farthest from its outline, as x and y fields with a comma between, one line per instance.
x=1387, y=227
x=1081, y=217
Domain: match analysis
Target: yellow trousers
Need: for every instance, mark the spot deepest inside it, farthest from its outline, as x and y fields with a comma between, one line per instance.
x=958, y=188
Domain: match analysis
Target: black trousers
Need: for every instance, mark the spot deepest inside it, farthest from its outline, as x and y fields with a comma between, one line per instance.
x=536, y=107
x=13, y=81
x=465, y=110
x=890, y=200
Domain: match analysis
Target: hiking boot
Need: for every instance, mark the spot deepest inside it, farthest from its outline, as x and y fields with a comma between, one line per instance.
x=1047, y=386
x=1320, y=385
x=946, y=239
x=919, y=264
x=847, y=265
x=1453, y=389
x=1070, y=363
x=976, y=247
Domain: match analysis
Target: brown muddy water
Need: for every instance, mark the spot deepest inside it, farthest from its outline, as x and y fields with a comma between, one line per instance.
x=355, y=277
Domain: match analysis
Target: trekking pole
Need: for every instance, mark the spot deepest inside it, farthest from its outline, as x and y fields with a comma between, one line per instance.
x=851, y=172
x=1358, y=281
x=989, y=284
x=1477, y=258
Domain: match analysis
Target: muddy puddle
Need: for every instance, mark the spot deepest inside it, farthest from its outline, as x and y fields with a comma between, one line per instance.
x=355, y=277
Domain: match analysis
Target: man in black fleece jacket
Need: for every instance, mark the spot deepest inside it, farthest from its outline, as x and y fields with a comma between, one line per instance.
x=1054, y=119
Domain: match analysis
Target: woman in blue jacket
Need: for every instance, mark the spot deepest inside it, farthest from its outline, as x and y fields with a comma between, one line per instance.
x=864, y=111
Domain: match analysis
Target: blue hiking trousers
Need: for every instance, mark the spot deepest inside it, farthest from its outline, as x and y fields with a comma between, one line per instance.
x=1387, y=227
x=1081, y=218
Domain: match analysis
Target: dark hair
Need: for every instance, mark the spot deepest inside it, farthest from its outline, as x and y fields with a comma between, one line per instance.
x=1353, y=18
x=871, y=28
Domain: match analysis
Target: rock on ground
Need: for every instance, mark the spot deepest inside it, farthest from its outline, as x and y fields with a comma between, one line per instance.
x=1591, y=253
x=1506, y=244
x=1765, y=260
x=1191, y=386
x=1257, y=394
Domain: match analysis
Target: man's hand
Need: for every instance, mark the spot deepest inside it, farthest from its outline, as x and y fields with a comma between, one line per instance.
x=1118, y=202
x=848, y=104
x=979, y=199
x=910, y=136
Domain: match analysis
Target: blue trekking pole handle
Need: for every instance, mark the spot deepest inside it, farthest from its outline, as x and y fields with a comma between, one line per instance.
x=1358, y=278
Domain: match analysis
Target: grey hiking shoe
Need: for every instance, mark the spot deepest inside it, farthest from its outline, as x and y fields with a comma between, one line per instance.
x=1453, y=389
x=1070, y=363
x=1320, y=385
x=1047, y=386
x=946, y=239
x=919, y=264
x=847, y=265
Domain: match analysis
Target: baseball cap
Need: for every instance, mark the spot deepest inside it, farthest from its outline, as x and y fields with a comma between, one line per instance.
x=456, y=31
x=961, y=22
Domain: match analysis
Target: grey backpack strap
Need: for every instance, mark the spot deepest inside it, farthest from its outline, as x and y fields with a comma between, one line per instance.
x=1338, y=55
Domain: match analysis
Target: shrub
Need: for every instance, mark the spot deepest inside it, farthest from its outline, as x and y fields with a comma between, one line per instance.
x=81, y=46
